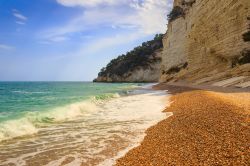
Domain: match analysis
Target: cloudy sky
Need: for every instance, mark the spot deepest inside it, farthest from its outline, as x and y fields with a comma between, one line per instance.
x=70, y=40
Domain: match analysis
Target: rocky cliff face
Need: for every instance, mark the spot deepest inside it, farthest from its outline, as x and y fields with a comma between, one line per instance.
x=207, y=40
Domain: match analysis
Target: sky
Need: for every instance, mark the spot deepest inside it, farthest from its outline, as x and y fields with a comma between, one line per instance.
x=71, y=40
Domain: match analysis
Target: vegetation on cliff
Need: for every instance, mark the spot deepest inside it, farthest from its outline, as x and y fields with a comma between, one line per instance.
x=243, y=59
x=140, y=56
x=176, y=12
x=246, y=36
x=176, y=69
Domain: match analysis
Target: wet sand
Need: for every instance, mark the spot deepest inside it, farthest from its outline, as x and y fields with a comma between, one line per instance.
x=208, y=127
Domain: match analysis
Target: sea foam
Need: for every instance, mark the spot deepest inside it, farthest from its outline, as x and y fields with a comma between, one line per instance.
x=16, y=128
x=30, y=122
x=98, y=132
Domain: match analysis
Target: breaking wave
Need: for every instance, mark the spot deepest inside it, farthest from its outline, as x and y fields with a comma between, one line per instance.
x=30, y=122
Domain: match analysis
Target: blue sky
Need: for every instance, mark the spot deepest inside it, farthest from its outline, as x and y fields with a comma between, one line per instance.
x=71, y=40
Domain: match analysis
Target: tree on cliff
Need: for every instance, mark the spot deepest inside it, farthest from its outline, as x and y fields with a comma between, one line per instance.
x=139, y=56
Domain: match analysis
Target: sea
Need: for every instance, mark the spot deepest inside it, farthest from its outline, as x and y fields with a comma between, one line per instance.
x=74, y=123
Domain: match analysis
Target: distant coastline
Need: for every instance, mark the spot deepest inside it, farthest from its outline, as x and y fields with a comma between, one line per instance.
x=142, y=64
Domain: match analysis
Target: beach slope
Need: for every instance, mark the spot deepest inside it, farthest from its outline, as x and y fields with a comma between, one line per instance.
x=207, y=128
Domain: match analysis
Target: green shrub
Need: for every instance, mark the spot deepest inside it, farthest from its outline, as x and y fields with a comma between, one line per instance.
x=176, y=12
x=188, y=3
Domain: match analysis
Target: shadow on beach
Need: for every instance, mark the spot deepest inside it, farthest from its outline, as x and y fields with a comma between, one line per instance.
x=180, y=87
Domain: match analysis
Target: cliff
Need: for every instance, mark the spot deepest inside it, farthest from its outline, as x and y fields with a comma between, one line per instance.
x=142, y=64
x=207, y=41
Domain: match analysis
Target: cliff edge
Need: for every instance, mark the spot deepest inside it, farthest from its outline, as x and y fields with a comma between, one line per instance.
x=208, y=41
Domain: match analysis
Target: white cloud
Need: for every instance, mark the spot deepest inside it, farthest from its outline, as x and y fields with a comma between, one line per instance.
x=142, y=16
x=20, y=22
x=21, y=19
x=6, y=47
x=87, y=54
x=150, y=16
x=58, y=39
x=87, y=3
x=99, y=44
x=20, y=16
x=15, y=10
x=107, y=42
x=44, y=42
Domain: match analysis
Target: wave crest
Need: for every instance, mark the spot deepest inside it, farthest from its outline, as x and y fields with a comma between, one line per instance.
x=16, y=128
x=99, y=99
x=31, y=122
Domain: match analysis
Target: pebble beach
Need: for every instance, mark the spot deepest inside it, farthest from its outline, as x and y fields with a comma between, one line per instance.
x=208, y=127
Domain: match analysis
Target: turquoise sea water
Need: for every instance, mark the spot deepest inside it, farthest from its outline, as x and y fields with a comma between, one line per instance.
x=40, y=102
x=73, y=123
x=18, y=99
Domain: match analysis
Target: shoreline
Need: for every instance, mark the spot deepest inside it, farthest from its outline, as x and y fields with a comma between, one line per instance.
x=209, y=126
x=98, y=128
x=148, y=88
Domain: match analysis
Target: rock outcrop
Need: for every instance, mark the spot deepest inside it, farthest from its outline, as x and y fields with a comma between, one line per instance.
x=143, y=64
x=147, y=73
x=206, y=41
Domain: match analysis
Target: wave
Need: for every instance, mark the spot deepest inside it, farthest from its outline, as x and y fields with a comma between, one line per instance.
x=99, y=99
x=27, y=92
x=16, y=128
x=30, y=122
x=121, y=121
x=61, y=114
